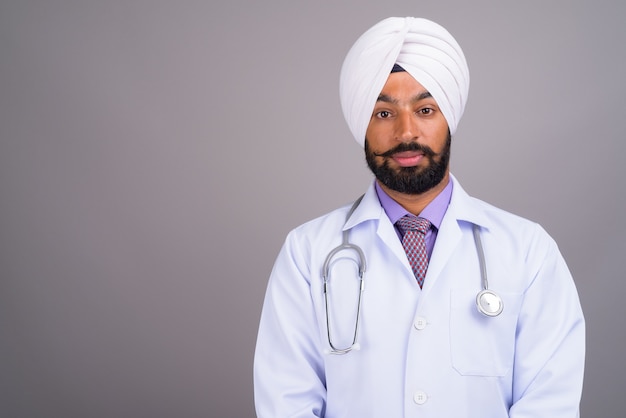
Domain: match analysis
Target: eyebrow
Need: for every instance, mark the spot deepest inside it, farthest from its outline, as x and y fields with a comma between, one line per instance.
x=388, y=99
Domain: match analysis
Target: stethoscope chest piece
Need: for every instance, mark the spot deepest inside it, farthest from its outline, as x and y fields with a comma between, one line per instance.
x=489, y=303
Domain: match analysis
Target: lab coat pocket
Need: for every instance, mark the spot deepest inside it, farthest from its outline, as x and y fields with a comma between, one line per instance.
x=482, y=345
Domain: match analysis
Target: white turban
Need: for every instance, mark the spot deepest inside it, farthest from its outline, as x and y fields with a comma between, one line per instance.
x=423, y=48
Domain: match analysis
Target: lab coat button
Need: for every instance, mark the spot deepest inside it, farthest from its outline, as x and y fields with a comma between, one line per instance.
x=420, y=323
x=420, y=397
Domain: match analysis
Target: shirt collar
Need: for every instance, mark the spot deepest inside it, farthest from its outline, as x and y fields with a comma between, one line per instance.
x=434, y=211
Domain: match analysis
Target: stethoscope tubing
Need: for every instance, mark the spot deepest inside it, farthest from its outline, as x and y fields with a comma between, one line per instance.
x=488, y=302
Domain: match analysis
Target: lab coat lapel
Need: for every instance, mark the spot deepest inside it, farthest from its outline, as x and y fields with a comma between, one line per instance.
x=462, y=209
x=388, y=235
x=370, y=209
x=448, y=238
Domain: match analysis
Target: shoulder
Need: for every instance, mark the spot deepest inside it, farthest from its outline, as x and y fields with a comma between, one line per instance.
x=328, y=223
x=501, y=218
x=505, y=226
x=331, y=224
x=517, y=248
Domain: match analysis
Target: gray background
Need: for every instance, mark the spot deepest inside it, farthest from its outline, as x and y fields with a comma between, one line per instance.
x=154, y=154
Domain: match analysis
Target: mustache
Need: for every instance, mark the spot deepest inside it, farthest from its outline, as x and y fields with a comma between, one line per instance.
x=408, y=146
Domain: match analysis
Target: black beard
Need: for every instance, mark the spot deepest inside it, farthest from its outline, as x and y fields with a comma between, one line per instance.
x=410, y=180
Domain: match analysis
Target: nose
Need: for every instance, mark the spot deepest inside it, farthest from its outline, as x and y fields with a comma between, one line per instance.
x=407, y=128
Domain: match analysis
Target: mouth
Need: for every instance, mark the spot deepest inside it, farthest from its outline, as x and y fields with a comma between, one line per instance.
x=408, y=158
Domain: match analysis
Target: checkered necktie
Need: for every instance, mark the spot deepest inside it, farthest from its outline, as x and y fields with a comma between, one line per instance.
x=414, y=244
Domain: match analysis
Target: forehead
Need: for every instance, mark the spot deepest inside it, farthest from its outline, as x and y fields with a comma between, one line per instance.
x=401, y=86
x=402, y=81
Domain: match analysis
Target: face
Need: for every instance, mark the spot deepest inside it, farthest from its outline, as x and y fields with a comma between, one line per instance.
x=407, y=143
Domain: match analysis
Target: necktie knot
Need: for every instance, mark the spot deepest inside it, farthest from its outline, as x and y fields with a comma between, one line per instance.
x=413, y=223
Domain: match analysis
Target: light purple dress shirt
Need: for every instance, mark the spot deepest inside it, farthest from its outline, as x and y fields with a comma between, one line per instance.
x=434, y=212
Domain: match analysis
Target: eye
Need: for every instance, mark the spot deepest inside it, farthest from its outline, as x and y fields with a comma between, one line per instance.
x=426, y=111
x=383, y=114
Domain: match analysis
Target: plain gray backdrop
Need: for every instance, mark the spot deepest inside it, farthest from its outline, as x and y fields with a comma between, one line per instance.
x=154, y=154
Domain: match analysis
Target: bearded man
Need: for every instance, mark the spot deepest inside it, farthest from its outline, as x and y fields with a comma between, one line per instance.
x=417, y=300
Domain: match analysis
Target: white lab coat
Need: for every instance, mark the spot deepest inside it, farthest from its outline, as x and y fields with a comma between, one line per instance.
x=424, y=352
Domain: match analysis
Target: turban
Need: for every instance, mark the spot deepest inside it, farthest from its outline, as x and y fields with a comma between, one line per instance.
x=423, y=48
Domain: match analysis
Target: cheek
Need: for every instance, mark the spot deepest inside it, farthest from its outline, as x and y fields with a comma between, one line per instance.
x=377, y=138
x=439, y=134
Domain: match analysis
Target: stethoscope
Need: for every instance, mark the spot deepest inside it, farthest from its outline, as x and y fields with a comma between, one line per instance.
x=488, y=302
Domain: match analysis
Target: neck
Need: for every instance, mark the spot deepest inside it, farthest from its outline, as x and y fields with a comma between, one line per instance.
x=415, y=203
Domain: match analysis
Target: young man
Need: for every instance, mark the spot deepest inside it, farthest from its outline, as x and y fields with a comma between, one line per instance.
x=471, y=312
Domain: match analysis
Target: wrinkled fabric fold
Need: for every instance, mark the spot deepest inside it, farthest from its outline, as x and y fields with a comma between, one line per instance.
x=423, y=48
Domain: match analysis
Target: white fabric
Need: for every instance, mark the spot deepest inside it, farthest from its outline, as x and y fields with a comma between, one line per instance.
x=423, y=48
x=424, y=353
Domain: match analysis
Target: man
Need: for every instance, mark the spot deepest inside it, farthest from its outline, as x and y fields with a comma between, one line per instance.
x=416, y=340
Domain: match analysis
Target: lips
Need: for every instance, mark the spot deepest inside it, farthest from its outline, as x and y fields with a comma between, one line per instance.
x=408, y=158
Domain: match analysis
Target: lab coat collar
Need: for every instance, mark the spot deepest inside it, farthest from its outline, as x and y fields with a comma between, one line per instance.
x=462, y=207
x=369, y=209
